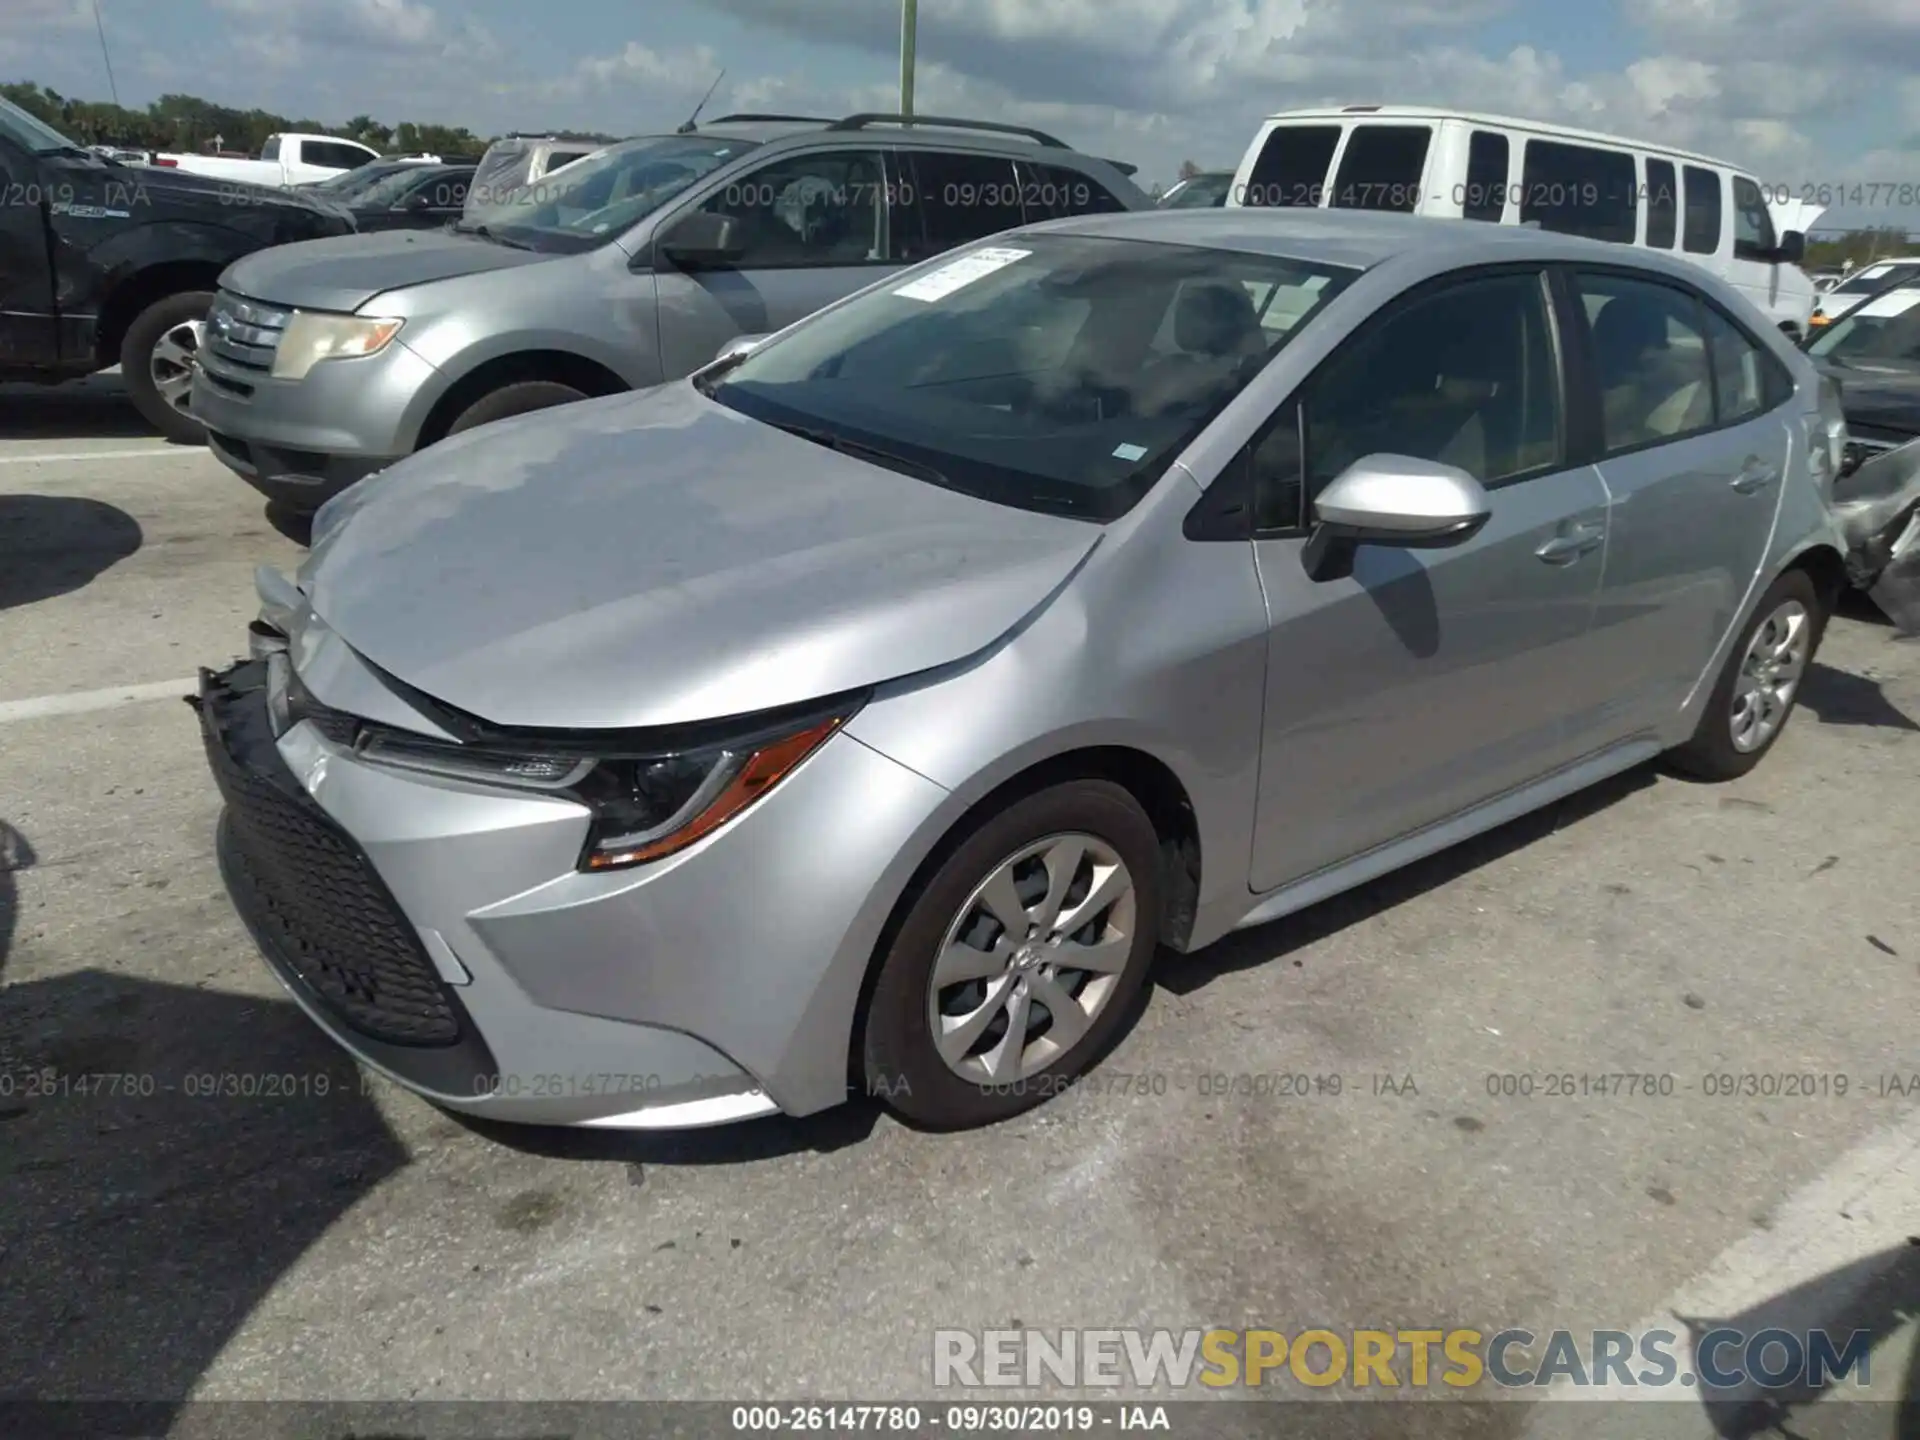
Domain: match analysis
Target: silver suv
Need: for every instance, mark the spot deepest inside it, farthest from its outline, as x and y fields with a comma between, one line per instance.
x=326, y=362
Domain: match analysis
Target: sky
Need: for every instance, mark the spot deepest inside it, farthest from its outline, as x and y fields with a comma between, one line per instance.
x=1805, y=93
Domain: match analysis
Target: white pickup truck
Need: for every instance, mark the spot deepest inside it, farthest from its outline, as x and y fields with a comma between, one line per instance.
x=283, y=160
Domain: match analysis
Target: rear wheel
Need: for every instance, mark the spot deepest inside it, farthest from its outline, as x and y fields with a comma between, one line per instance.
x=1760, y=683
x=516, y=399
x=159, y=358
x=1019, y=959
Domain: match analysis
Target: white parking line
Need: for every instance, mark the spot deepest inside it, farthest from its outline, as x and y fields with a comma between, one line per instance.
x=79, y=702
x=149, y=452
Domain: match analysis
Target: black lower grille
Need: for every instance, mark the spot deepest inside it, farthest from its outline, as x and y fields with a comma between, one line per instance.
x=324, y=910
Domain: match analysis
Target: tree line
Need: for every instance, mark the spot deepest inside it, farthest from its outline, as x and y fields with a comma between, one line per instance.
x=188, y=123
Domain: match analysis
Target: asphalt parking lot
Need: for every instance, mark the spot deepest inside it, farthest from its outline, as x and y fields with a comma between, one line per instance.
x=164, y=1245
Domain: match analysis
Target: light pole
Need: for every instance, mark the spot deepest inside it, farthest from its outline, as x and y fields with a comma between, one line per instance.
x=909, y=23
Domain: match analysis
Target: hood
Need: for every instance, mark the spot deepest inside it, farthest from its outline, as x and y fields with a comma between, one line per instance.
x=159, y=184
x=654, y=558
x=1876, y=399
x=345, y=272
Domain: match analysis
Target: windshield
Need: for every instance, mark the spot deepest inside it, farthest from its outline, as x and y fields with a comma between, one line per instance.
x=1200, y=192
x=361, y=178
x=1887, y=329
x=1060, y=373
x=596, y=198
x=1875, y=277
x=28, y=132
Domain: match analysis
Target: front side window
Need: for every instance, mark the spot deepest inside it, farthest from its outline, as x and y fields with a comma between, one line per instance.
x=1753, y=236
x=1465, y=375
x=1061, y=373
x=1703, y=211
x=1650, y=358
x=1663, y=204
x=1579, y=190
x=1485, y=197
x=593, y=200
x=1381, y=168
x=822, y=210
x=1292, y=167
x=961, y=197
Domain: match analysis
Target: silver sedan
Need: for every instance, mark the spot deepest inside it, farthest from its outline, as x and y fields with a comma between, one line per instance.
x=863, y=713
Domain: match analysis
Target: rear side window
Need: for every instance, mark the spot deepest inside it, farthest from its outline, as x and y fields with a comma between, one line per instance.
x=960, y=197
x=1703, y=211
x=1381, y=168
x=1650, y=358
x=1048, y=192
x=1579, y=190
x=1292, y=168
x=1753, y=237
x=1485, y=197
x=1663, y=204
x=1740, y=372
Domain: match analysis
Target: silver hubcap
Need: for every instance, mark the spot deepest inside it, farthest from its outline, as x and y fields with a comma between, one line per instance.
x=175, y=361
x=1031, y=959
x=1769, y=674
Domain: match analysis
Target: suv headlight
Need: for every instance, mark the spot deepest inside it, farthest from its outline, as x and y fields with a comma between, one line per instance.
x=310, y=338
x=645, y=805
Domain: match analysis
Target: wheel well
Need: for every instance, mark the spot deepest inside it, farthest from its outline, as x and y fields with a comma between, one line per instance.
x=1828, y=572
x=562, y=367
x=1148, y=780
x=140, y=290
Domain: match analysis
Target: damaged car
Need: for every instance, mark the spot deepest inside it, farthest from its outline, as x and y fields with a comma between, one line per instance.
x=863, y=713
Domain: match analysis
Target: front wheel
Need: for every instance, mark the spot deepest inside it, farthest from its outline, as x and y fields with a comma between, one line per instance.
x=159, y=358
x=1757, y=688
x=1019, y=959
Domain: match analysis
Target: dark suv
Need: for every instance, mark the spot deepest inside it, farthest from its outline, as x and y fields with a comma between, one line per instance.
x=627, y=268
x=105, y=264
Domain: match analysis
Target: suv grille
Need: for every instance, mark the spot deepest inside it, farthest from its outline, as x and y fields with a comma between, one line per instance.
x=244, y=333
x=310, y=894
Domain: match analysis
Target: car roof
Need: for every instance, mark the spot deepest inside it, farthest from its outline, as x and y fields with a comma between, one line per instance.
x=1363, y=239
x=1434, y=114
x=930, y=133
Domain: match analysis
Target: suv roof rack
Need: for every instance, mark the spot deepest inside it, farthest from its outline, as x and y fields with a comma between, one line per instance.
x=866, y=118
x=759, y=117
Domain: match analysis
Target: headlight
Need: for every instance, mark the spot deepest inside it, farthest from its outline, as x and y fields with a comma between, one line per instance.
x=645, y=806
x=310, y=338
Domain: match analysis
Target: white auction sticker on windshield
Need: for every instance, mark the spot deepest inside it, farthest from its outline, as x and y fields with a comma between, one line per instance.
x=938, y=284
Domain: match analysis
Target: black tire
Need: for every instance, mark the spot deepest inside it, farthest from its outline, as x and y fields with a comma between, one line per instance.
x=137, y=361
x=516, y=399
x=900, y=1061
x=1712, y=754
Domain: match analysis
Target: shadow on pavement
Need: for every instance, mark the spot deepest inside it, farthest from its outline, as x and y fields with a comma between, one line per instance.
x=1276, y=940
x=158, y=1184
x=16, y=854
x=96, y=408
x=1839, y=697
x=52, y=544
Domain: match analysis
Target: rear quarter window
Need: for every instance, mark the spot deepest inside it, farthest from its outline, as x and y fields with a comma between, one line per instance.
x=1049, y=192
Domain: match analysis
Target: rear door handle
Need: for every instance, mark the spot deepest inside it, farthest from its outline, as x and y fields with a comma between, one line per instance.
x=1756, y=474
x=1566, y=548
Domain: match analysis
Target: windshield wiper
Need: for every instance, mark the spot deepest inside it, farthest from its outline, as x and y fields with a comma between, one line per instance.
x=485, y=233
x=872, y=454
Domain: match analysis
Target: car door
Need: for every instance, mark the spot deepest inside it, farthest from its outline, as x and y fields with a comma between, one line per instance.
x=1429, y=679
x=817, y=226
x=1694, y=447
x=26, y=276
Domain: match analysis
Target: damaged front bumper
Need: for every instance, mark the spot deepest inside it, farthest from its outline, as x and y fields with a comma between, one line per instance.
x=1877, y=506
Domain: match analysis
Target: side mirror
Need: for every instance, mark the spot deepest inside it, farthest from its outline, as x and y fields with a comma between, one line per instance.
x=703, y=240
x=1793, y=247
x=1392, y=500
x=420, y=202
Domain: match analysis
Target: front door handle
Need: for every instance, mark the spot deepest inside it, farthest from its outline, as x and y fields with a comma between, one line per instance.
x=1756, y=474
x=1566, y=548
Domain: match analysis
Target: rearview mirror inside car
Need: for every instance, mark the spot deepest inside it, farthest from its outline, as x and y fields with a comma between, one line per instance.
x=703, y=239
x=1391, y=500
